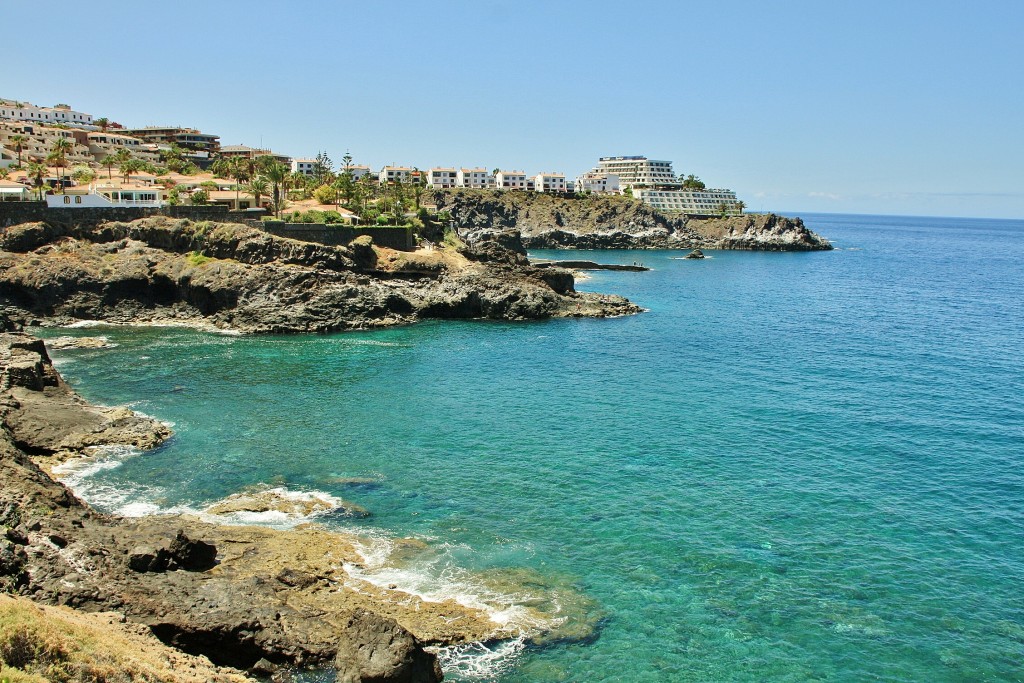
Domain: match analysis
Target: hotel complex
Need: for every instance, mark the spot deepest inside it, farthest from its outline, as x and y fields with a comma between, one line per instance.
x=654, y=183
x=28, y=133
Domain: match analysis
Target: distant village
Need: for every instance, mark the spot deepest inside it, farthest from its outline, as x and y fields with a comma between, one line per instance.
x=70, y=158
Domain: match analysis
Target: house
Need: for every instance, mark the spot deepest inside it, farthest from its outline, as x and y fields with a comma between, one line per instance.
x=14, y=192
x=392, y=174
x=549, y=182
x=476, y=178
x=304, y=166
x=510, y=180
x=11, y=110
x=442, y=178
x=598, y=183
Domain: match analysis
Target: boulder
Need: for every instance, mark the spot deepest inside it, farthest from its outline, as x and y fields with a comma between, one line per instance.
x=376, y=649
x=695, y=254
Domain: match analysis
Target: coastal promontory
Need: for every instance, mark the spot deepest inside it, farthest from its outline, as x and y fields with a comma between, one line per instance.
x=548, y=221
x=233, y=276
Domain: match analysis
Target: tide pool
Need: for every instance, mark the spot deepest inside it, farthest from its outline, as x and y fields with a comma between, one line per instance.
x=793, y=467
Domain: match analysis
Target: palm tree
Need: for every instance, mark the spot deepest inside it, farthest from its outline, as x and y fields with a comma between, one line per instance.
x=275, y=172
x=257, y=187
x=37, y=172
x=740, y=205
x=59, y=157
x=103, y=122
x=19, y=143
x=130, y=166
x=110, y=161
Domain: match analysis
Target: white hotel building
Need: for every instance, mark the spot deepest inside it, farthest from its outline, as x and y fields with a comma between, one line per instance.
x=442, y=178
x=654, y=183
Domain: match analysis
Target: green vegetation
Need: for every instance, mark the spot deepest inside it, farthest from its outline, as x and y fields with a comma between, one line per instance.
x=196, y=258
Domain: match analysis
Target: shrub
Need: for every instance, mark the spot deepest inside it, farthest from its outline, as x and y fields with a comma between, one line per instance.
x=197, y=259
x=325, y=194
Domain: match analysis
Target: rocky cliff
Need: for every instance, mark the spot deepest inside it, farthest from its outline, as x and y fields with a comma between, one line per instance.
x=596, y=222
x=236, y=277
x=244, y=597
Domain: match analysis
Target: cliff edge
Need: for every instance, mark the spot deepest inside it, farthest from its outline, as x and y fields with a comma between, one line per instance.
x=231, y=276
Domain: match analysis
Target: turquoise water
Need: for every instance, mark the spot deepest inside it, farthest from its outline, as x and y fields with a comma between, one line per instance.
x=794, y=467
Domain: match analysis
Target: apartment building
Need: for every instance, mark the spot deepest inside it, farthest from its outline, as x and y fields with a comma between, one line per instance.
x=100, y=144
x=186, y=138
x=393, y=174
x=510, y=180
x=598, y=183
x=475, y=178
x=11, y=110
x=38, y=141
x=549, y=182
x=442, y=178
x=304, y=166
x=654, y=183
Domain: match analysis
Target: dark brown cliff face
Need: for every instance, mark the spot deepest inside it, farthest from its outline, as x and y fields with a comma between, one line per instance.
x=235, y=277
x=596, y=222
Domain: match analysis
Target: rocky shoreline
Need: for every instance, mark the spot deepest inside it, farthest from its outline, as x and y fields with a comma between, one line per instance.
x=234, y=277
x=610, y=222
x=246, y=598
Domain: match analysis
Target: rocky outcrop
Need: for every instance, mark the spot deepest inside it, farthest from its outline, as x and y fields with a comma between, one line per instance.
x=235, y=277
x=244, y=597
x=695, y=254
x=598, y=222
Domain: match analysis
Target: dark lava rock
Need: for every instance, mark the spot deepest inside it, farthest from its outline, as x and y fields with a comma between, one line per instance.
x=375, y=649
x=696, y=253
x=191, y=555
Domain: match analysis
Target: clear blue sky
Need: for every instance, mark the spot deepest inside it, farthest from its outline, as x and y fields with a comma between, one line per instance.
x=867, y=107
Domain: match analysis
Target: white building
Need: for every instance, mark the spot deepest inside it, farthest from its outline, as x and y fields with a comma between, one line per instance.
x=304, y=166
x=510, y=180
x=392, y=174
x=598, y=183
x=358, y=171
x=11, y=110
x=699, y=202
x=639, y=171
x=100, y=144
x=549, y=182
x=654, y=183
x=442, y=178
x=476, y=178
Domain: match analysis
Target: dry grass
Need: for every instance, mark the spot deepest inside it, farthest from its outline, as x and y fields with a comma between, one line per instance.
x=59, y=645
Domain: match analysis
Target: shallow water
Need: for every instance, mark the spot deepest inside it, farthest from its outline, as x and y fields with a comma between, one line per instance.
x=793, y=467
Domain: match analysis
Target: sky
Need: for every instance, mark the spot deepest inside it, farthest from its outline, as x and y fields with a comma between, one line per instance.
x=909, y=107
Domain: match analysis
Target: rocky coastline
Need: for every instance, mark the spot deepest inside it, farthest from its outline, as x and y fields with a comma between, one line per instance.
x=597, y=222
x=247, y=599
x=233, y=277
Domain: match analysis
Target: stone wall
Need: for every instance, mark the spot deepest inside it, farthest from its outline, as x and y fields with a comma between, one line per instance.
x=339, y=234
x=14, y=213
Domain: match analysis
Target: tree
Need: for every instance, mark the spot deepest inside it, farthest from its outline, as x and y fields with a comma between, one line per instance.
x=37, y=172
x=325, y=194
x=322, y=166
x=103, y=122
x=740, y=205
x=723, y=209
x=110, y=161
x=691, y=182
x=276, y=173
x=19, y=144
x=174, y=158
x=83, y=175
x=257, y=187
x=59, y=157
x=130, y=166
x=200, y=197
x=419, y=186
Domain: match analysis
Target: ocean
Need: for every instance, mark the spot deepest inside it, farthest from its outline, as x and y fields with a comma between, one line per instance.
x=792, y=467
